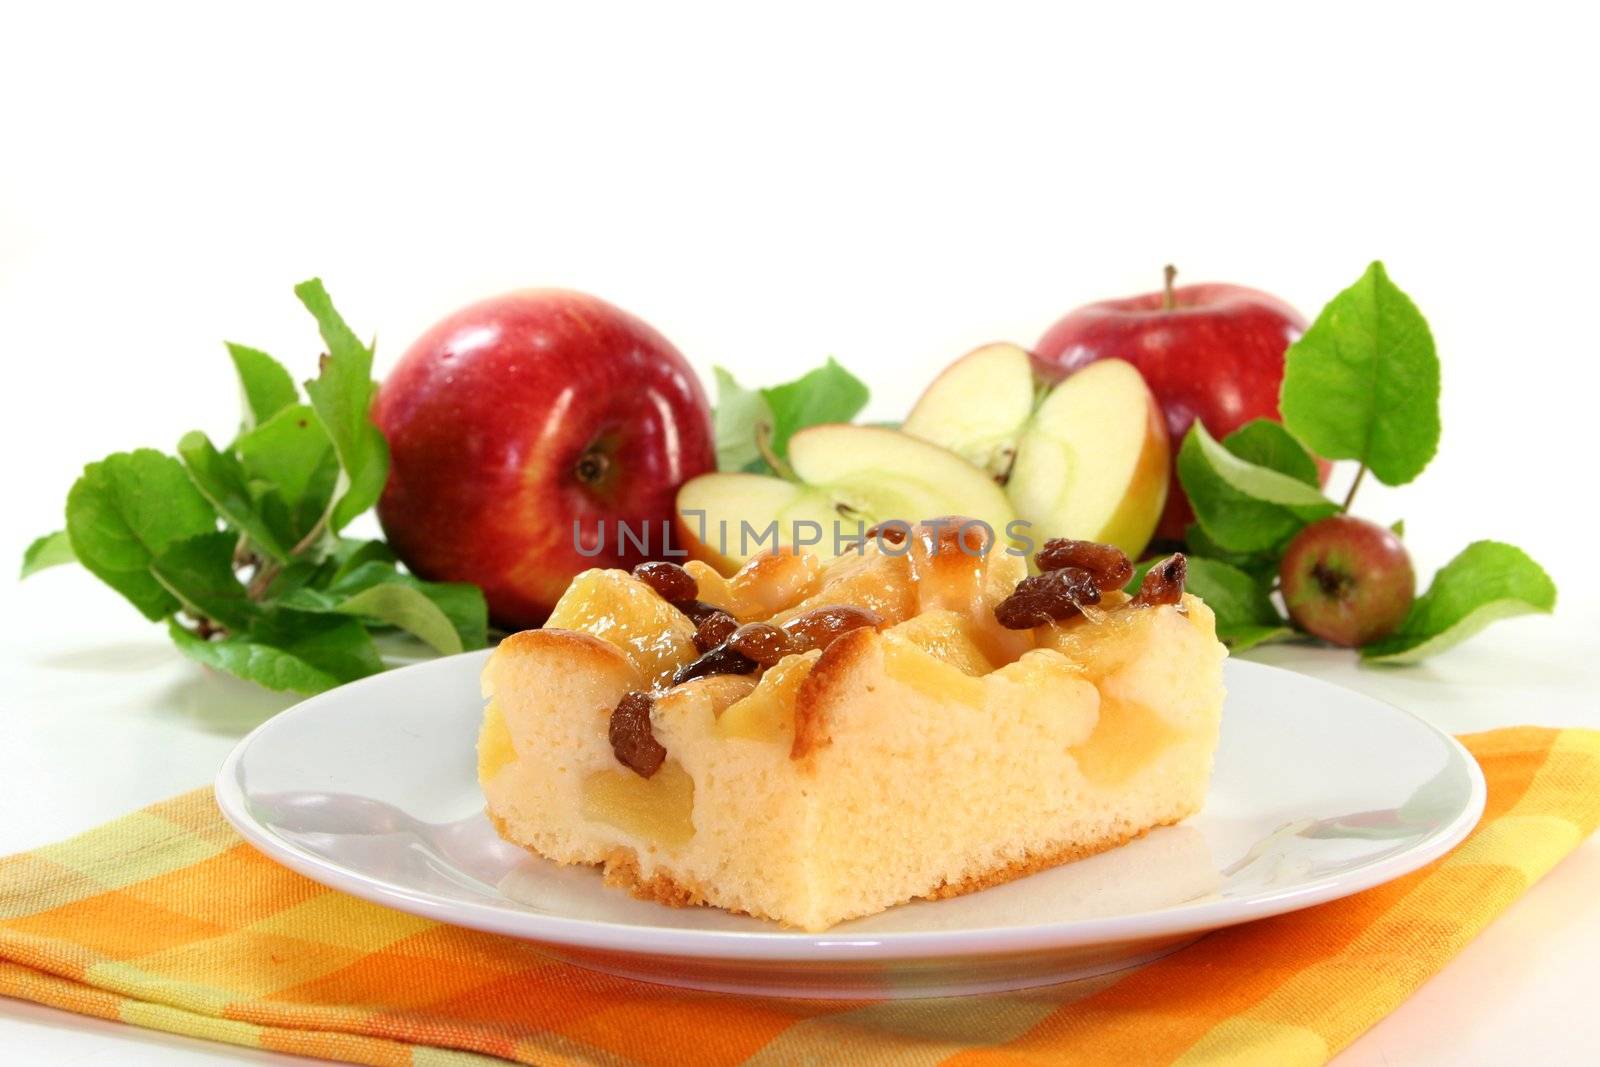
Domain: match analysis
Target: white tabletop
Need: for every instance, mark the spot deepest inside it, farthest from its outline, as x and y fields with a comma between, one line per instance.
x=102, y=716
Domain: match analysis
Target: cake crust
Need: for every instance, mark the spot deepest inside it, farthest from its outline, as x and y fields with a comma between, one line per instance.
x=621, y=870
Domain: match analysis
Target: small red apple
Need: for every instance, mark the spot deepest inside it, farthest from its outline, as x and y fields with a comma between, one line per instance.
x=1212, y=352
x=1347, y=580
x=518, y=417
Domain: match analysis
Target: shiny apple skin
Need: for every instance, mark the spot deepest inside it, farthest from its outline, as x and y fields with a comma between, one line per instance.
x=1347, y=580
x=1217, y=355
x=520, y=414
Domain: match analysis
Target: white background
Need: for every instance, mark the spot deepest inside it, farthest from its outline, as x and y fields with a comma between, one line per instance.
x=892, y=186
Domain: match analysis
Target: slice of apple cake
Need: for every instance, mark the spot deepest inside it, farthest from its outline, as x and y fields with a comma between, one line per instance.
x=811, y=742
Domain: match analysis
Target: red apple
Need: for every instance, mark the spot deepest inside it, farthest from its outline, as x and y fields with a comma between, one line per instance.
x=1347, y=580
x=1212, y=352
x=520, y=416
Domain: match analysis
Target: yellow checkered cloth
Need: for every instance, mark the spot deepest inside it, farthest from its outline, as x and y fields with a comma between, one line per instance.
x=166, y=919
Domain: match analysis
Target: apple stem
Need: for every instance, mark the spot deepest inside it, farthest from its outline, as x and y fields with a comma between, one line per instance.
x=769, y=455
x=1361, y=472
x=265, y=573
x=1168, y=301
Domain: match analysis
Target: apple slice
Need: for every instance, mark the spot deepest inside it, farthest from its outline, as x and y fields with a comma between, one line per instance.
x=1090, y=461
x=844, y=475
x=1094, y=462
x=978, y=406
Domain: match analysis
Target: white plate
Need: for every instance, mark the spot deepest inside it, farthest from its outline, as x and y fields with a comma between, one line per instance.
x=1318, y=793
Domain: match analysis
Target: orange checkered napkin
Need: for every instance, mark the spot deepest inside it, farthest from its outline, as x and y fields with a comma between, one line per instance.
x=167, y=919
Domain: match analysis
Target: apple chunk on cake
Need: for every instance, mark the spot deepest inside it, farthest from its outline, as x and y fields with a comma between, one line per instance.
x=809, y=742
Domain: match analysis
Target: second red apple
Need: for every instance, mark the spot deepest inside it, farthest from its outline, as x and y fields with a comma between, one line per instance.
x=1212, y=352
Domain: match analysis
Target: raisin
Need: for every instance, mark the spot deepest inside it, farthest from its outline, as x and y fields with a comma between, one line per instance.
x=760, y=641
x=1049, y=597
x=668, y=579
x=635, y=747
x=715, y=629
x=1109, y=565
x=720, y=660
x=819, y=627
x=892, y=533
x=1163, y=583
x=698, y=610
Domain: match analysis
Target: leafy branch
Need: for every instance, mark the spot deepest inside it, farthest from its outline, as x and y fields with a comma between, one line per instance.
x=1362, y=384
x=239, y=549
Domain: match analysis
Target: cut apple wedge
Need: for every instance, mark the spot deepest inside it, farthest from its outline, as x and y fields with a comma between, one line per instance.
x=978, y=407
x=1089, y=461
x=844, y=476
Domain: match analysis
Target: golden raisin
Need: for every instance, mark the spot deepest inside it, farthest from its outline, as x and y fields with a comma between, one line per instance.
x=1049, y=597
x=1108, y=564
x=819, y=627
x=1163, y=583
x=635, y=747
x=760, y=641
x=716, y=628
x=668, y=579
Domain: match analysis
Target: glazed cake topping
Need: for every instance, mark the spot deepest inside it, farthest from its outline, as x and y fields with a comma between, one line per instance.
x=947, y=562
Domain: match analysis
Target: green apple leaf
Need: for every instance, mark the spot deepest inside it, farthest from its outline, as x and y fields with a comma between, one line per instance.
x=459, y=603
x=1487, y=582
x=1244, y=506
x=127, y=509
x=825, y=395
x=288, y=651
x=1245, y=613
x=449, y=616
x=266, y=386
x=1243, y=638
x=409, y=609
x=1262, y=566
x=291, y=452
x=1398, y=528
x=221, y=480
x=1363, y=382
x=198, y=571
x=292, y=470
x=1268, y=444
x=828, y=394
x=349, y=553
x=1244, y=464
x=342, y=396
x=51, y=550
x=739, y=412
